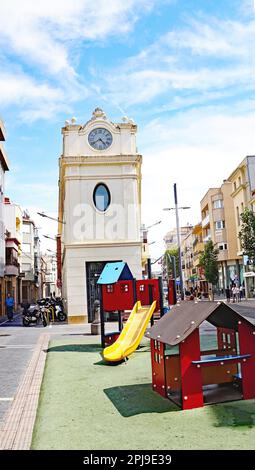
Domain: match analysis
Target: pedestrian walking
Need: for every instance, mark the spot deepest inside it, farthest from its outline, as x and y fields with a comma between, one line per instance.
x=237, y=294
x=234, y=293
x=9, y=302
x=227, y=290
x=241, y=293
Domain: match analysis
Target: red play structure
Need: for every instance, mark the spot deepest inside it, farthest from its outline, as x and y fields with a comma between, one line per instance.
x=120, y=291
x=187, y=372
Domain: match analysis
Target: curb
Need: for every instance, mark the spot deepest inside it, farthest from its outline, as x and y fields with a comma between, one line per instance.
x=17, y=429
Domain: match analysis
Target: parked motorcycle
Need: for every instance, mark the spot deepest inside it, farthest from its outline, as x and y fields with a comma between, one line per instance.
x=54, y=308
x=32, y=314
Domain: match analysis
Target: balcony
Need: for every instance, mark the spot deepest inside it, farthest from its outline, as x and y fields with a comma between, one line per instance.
x=206, y=221
x=11, y=270
x=29, y=276
x=207, y=238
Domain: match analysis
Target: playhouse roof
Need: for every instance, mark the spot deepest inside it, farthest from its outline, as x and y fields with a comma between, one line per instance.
x=114, y=272
x=185, y=317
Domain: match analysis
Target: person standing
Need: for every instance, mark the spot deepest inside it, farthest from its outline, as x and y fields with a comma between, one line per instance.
x=9, y=302
x=237, y=294
x=241, y=292
x=234, y=293
x=227, y=290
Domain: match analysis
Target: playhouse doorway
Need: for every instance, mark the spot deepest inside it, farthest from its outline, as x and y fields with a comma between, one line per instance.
x=93, y=272
x=221, y=382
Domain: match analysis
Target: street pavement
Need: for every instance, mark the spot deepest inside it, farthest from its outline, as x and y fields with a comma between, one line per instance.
x=17, y=344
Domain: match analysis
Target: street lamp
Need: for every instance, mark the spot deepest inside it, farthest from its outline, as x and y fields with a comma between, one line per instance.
x=42, y=214
x=50, y=238
x=156, y=223
x=176, y=208
x=145, y=229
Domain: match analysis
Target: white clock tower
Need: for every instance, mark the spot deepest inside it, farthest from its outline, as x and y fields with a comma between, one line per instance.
x=99, y=205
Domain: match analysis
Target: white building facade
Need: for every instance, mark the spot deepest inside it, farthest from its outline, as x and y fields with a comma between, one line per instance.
x=4, y=166
x=99, y=207
x=30, y=261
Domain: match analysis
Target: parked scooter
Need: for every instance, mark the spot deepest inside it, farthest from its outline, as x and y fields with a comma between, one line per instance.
x=54, y=309
x=32, y=314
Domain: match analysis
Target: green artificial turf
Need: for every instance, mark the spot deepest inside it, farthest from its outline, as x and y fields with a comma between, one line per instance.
x=85, y=404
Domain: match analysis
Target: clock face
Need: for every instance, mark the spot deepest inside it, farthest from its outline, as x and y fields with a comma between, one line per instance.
x=100, y=138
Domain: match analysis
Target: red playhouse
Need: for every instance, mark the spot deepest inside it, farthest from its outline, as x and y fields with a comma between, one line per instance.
x=191, y=374
x=119, y=291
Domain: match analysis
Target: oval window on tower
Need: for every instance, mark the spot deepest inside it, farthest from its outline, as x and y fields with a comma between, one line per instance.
x=101, y=197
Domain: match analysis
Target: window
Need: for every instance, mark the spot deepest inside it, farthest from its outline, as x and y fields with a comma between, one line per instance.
x=239, y=181
x=124, y=288
x=220, y=224
x=109, y=288
x=101, y=197
x=238, y=215
x=26, y=228
x=223, y=246
x=218, y=204
x=26, y=267
x=26, y=247
x=234, y=186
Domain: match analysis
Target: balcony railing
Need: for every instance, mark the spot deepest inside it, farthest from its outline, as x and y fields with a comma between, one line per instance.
x=206, y=221
x=207, y=238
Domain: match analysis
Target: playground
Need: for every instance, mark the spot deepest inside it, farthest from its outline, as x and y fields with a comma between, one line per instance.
x=147, y=388
x=85, y=404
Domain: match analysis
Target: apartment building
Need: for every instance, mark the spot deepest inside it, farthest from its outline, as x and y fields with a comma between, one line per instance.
x=187, y=253
x=4, y=166
x=242, y=180
x=218, y=225
x=30, y=261
x=49, y=274
x=146, y=259
x=13, y=240
x=170, y=238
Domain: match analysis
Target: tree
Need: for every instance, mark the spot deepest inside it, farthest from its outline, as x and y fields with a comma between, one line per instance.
x=167, y=260
x=209, y=261
x=247, y=234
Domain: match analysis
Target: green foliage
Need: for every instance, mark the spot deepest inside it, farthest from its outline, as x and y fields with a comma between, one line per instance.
x=247, y=234
x=167, y=261
x=209, y=261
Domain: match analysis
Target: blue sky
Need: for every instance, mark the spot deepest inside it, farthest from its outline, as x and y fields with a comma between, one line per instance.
x=182, y=69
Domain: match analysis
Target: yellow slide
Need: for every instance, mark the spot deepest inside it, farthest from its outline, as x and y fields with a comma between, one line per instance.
x=132, y=333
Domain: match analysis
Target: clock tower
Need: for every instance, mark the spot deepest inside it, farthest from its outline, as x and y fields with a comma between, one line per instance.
x=99, y=206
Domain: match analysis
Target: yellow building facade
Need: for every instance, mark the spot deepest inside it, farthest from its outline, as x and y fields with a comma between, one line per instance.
x=218, y=225
x=242, y=180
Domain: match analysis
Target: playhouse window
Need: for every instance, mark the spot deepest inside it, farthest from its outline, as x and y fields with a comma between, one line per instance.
x=109, y=288
x=124, y=288
x=141, y=288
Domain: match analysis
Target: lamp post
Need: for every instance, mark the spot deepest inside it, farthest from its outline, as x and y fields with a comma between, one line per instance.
x=145, y=229
x=50, y=238
x=42, y=214
x=176, y=209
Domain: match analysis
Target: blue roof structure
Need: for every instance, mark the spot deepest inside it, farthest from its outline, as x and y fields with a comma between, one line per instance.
x=114, y=272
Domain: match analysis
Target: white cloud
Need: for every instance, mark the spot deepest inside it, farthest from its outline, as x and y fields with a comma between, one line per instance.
x=45, y=39
x=42, y=32
x=206, y=56
x=197, y=150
